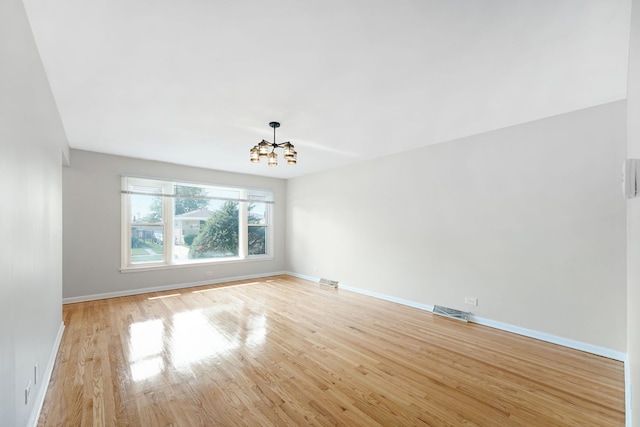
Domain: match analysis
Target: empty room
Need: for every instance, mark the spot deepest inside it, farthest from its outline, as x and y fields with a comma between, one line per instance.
x=320, y=213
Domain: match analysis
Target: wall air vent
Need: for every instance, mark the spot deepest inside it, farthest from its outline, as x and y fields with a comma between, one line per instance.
x=329, y=283
x=451, y=313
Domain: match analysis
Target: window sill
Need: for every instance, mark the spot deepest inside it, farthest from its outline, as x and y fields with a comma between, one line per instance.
x=203, y=263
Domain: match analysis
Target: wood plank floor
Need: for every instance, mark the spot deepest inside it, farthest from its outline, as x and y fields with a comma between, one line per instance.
x=282, y=351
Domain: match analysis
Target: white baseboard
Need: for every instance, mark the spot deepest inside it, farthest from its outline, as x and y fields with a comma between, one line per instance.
x=46, y=378
x=388, y=298
x=554, y=339
x=303, y=276
x=128, y=292
x=577, y=345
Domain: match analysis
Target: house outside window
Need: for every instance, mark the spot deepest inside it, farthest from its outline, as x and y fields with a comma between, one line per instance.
x=168, y=223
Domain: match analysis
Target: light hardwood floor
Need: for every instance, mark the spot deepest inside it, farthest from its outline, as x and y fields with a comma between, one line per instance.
x=282, y=351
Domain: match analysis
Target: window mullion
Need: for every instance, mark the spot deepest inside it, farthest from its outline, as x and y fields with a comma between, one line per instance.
x=167, y=220
x=243, y=226
x=269, y=231
x=125, y=232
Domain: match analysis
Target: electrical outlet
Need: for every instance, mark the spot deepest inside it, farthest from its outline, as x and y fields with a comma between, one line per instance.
x=471, y=300
x=27, y=392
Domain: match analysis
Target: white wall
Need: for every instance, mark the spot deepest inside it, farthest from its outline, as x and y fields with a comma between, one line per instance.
x=32, y=142
x=633, y=215
x=529, y=219
x=92, y=225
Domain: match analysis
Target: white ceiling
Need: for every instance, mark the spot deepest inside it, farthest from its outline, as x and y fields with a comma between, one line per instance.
x=196, y=82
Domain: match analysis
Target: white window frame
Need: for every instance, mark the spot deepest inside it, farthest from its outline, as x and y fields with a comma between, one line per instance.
x=246, y=196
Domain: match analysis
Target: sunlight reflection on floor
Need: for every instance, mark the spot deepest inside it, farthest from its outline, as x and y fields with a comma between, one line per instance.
x=193, y=337
x=145, y=348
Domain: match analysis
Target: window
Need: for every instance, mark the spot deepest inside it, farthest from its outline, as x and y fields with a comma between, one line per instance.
x=173, y=223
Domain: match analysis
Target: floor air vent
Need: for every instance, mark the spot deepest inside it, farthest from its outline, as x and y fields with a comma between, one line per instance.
x=452, y=313
x=329, y=283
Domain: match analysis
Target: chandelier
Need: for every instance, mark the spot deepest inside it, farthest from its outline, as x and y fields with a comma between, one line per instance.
x=267, y=150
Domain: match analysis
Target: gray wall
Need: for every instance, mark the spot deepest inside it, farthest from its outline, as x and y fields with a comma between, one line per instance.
x=529, y=219
x=32, y=142
x=92, y=226
x=633, y=214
